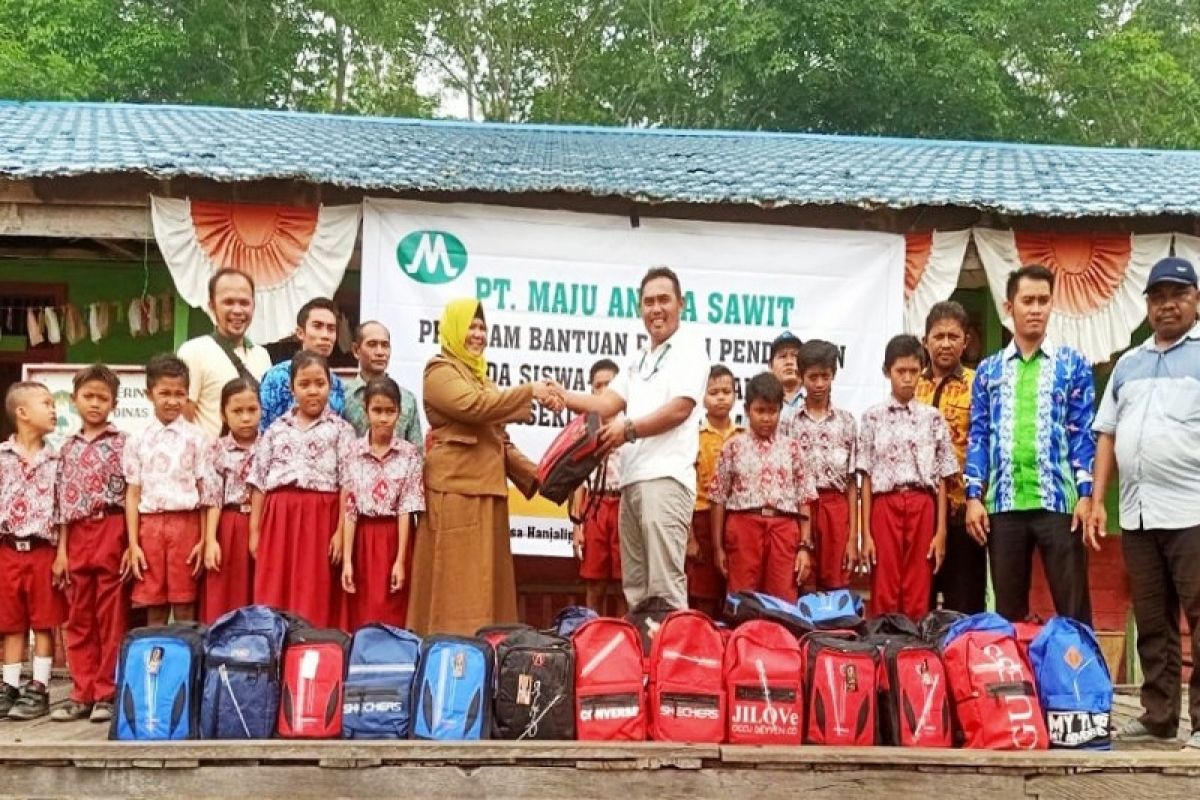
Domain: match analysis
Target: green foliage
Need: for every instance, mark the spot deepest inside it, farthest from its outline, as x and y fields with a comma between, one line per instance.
x=1105, y=72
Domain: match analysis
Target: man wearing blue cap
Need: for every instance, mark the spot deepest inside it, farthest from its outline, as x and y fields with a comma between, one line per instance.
x=784, y=353
x=1149, y=430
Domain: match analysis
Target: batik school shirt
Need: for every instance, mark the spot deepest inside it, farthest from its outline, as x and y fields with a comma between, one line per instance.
x=27, y=493
x=90, y=476
x=1031, y=442
x=952, y=397
x=754, y=472
x=312, y=456
x=275, y=394
x=828, y=444
x=229, y=464
x=386, y=485
x=169, y=463
x=905, y=445
x=408, y=421
x=712, y=441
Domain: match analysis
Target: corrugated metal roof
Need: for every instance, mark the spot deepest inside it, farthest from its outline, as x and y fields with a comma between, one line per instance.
x=372, y=153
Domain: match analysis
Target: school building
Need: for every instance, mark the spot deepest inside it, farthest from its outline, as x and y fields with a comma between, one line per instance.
x=104, y=207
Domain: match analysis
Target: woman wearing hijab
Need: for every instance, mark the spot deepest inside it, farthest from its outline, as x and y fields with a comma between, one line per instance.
x=462, y=567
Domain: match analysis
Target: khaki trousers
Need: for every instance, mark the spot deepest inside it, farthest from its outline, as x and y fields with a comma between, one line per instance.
x=655, y=516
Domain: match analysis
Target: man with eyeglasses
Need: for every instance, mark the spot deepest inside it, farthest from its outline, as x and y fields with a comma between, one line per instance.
x=660, y=392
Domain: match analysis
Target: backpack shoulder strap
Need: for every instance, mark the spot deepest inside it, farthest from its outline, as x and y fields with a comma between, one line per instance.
x=234, y=359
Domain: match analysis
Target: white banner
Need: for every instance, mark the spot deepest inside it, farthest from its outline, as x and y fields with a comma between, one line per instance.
x=132, y=412
x=560, y=290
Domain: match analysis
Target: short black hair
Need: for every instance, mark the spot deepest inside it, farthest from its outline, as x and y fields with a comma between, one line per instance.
x=719, y=371
x=224, y=272
x=313, y=305
x=236, y=387
x=306, y=358
x=97, y=372
x=660, y=272
x=903, y=346
x=382, y=386
x=15, y=396
x=1033, y=272
x=947, y=309
x=817, y=353
x=764, y=386
x=600, y=366
x=361, y=328
x=166, y=366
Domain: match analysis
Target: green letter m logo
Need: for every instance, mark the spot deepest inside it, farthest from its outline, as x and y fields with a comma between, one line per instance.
x=431, y=256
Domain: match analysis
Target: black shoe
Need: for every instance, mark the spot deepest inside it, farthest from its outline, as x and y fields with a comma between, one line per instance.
x=8, y=698
x=34, y=702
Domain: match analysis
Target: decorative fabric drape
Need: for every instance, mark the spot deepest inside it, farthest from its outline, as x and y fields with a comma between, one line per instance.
x=1099, y=278
x=932, y=263
x=294, y=254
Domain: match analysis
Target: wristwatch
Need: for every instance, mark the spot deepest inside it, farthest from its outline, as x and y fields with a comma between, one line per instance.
x=630, y=431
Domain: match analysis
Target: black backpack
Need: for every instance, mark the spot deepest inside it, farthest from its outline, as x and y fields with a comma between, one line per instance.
x=936, y=623
x=535, y=687
x=646, y=616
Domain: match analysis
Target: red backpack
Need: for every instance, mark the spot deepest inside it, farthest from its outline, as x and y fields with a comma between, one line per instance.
x=762, y=685
x=314, y=670
x=570, y=459
x=840, y=680
x=610, y=684
x=914, y=698
x=687, y=698
x=992, y=687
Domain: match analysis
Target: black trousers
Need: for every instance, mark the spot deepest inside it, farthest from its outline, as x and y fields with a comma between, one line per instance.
x=1164, y=576
x=962, y=580
x=1011, y=543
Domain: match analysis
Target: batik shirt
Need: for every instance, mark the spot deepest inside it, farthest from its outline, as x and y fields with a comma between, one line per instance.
x=27, y=493
x=761, y=473
x=1031, y=442
x=952, y=397
x=828, y=445
x=387, y=485
x=275, y=394
x=312, y=457
x=168, y=462
x=90, y=476
x=712, y=441
x=904, y=445
x=229, y=465
x=408, y=421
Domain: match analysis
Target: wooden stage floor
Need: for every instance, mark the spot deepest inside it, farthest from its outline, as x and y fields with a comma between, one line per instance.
x=75, y=760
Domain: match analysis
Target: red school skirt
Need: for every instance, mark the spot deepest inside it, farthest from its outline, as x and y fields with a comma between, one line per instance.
x=232, y=586
x=376, y=545
x=292, y=571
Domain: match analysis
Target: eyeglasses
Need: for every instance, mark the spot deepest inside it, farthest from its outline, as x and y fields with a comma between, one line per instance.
x=641, y=369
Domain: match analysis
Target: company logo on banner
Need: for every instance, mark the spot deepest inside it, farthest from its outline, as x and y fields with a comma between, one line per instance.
x=560, y=291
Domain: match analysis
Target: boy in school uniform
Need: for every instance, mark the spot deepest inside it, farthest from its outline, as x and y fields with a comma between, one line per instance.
x=164, y=465
x=30, y=589
x=706, y=585
x=595, y=512
x=760, y=501
x=906, y=460
x=827, y=437
x=92, y=544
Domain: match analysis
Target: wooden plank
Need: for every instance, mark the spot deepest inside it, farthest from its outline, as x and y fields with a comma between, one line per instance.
x=74, y=221
x=1126, y=787
x=978, y=759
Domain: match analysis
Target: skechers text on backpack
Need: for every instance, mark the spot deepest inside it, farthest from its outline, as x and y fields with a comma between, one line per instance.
x=379, y=683
x=687, y=692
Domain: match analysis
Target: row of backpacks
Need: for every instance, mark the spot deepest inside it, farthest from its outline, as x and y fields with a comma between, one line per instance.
x=779, y=675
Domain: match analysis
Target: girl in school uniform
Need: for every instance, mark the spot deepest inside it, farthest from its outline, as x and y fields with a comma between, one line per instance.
x=296, y=499
x=384, y=488
x=229, y=572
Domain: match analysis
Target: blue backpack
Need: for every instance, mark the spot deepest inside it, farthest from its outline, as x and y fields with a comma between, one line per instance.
x=157, y=677
x=745, y=606
x=378, y=700
x=1074, y=684
x=452, y=693
x=569, y=619
x=242, y=653
x=840, y=609
x=985, y=621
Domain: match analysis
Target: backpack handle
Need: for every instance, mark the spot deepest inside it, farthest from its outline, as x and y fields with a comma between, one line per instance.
x=1011, y=688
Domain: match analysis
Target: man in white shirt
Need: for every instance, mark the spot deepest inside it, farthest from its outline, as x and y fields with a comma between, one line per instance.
x=660, y=392
x=217, y=358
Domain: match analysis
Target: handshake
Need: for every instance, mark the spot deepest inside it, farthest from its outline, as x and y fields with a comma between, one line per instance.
x=551, y=395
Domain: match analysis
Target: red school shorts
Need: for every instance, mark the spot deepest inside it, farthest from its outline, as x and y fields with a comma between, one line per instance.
x=760, y=553
x=28, y=599
x=167, y=539
x=601, y=542
x=831, y=534
x=704, y=580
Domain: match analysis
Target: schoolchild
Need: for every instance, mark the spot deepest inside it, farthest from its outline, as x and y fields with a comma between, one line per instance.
x=760, y=501
x=165, y=465
x=30, y=587
x=92, y=541
x=297, y=500
x=228, y=568
x=906, y=460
